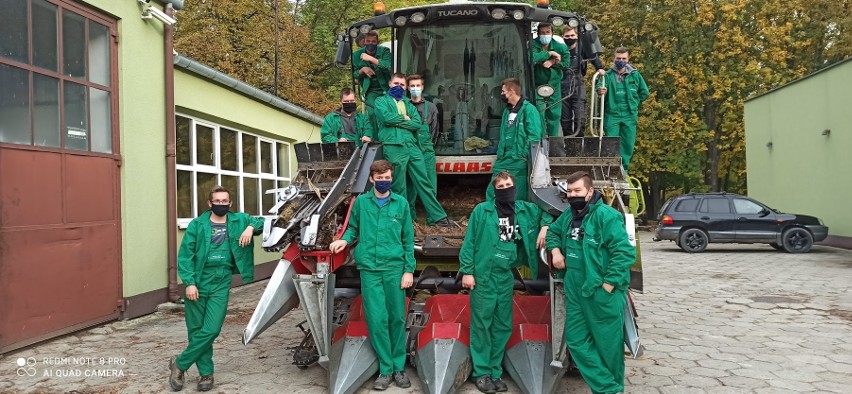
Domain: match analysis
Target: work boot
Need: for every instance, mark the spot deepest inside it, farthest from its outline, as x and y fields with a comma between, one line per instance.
x=382, y=382
x=206, y=383
x=176, y=378
x=446, y=222
x=499, y=385
x=401, y=380
x=485, y=384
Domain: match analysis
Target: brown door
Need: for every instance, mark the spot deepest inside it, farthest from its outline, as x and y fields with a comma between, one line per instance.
x=60, y=217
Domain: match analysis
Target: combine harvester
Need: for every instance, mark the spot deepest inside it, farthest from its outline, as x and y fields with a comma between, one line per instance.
x=464, y=50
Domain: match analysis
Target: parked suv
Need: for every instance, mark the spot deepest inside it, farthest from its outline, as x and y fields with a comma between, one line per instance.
x=693, y=220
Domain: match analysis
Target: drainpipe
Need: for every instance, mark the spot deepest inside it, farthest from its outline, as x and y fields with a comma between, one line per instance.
x=171, y=169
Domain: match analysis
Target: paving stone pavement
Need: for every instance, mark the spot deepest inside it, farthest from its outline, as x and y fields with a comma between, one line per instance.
x=735, y=319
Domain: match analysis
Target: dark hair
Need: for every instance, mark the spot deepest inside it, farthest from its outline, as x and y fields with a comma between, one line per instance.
x=413, y=77
x=576, y=176
x=345, y=92
x=622, y=50
x=380, y=167
x=513, y=84
x=542, y=26
x=502, y=175
x=397, y=75
x=372, y=33
x=217, y=189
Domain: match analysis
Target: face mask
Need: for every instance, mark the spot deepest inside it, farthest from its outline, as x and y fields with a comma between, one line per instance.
x=619, y=64
x=350, y=107
x=396, y=92
x=545, y=39
x=504, y=98
x=220, y=210
x=383, y=186
x=415, y=92
x=371, y=48
x=505, y=196
x=570, y=41
x=577, y=203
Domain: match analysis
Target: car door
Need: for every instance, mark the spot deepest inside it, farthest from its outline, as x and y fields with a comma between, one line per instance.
x=755, y=223
x=718, y=219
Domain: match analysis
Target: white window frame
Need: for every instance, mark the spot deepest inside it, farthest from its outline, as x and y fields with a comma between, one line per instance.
x=194, y=168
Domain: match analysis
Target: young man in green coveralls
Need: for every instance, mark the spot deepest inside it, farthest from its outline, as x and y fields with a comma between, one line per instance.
x=372, y=65
x=625, y=90
x=551, y=58
x=521, y=125
x=346, y=123
x=217, y=244
x=399, y=122
x=590, y=243
x=426, y=135
x=381, y=222
x=501, y=234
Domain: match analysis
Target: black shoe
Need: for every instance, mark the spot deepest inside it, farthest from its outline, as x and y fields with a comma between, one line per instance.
x=499, y=385
x=206, y=383
x=176, y=378
x=485, y=384
x=382, y=382
x=401, y=380
x=446, y=222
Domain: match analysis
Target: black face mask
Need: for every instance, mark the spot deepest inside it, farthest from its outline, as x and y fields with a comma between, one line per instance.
x=570, y=41
x=577, y=203
x=350, y=107
x=504, y=201
x=220, y=210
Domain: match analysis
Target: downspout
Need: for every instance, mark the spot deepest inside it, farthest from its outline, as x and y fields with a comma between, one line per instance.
x=171, y=168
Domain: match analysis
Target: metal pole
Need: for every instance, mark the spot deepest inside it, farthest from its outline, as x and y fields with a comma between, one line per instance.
x=275, y=87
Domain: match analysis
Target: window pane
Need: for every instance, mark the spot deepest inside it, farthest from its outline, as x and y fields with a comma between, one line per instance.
x=232, y=183
x=228, y=149
x=268, y=199
x=46, y=107
x=687, y=205
x=249, y=154
x=746, y=206
x=45, y=54
x=266, y=164
x=184, y=140
x=73, y=44
x=205, y=184
x=99, y=60
x=250, y=195
x=184, y=195
x=76, y=117
x=204, y=144
x=14, y=105
x=101, y=121
x=13, y=30
x=715, y=205
x=283, y=160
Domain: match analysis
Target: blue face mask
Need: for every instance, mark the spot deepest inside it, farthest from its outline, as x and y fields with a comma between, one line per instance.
x=383, y=186
x=396, y=92
x=371, y=48
x=545, y=39
x=619, y=64
x=415, y=91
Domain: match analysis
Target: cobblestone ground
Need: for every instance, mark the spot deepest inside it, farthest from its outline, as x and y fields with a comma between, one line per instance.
x=735, y=319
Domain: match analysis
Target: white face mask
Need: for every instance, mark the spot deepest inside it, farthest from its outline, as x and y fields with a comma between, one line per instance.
x=415, y=91
x=545, y=38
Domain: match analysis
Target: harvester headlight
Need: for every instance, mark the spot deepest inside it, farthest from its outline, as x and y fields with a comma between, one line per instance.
x=573, y=22
x=498, y=13
x=365, y=28
x=545, y=91
x=557, y=21
x=418, y=17
x=589, y=27
x=353, y=32
x=400, y=21
x=518, y=14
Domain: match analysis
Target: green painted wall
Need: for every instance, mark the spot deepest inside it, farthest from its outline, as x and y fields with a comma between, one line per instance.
x=804, y=171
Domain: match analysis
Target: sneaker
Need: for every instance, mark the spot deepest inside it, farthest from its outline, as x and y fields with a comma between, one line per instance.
x=206, y=383
x=499, y=385
x=382, y=382
x=401, y=380
x=446, y=222
x=485, y=385
x=176, y=378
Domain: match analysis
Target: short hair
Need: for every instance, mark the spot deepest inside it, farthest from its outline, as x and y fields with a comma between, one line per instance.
x=218, y=189
x=397, y=75
x=345, y=92
x=513, y=84
x=413, y=77
x=542, y=26
x=576, y=176
x=567, y=29
x=372, y=33
x=380, y=167
x=622, y=50
x=502, y=175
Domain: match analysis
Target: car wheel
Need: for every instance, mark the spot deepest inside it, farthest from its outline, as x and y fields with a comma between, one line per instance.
x=776, y=246
x=797, y=240
x=694, y=240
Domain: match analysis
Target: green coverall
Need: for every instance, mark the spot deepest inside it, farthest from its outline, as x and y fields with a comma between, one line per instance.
x=424, y=141
x=372, y=88
x=332, y=129
x=594, y=319
x=553, y=77
x=401, y=149
x=385, y=251
x=514, y=148
x=490, y=261
x=621, y=110
x=209, y=267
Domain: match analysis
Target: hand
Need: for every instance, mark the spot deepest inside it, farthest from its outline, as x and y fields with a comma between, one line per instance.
x=407, y=117
x=367, y=71
x=547, y=64
x=555, y=56
x=468, y=282
x=192, y=293
x=246, y=236
x=407, y=280
x=337, y=246
x=558, y=259
x=367, y=58
x=608, y=287
x=366, y=139
x=601, y=72
x=601, y=91
x=542, y=238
